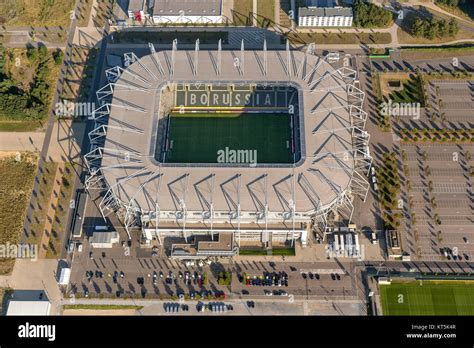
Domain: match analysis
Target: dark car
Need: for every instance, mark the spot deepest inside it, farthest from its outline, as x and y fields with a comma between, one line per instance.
x=333, y=277
x=338, y=276
x=140, y=281
x=304, y=275
x=245, y=292
x=316, y=275
x=311, y=276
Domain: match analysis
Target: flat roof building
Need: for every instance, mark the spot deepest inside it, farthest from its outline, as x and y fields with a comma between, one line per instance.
x=325, y=17
x=187, y=11
x=28, y=302
x=104, y=239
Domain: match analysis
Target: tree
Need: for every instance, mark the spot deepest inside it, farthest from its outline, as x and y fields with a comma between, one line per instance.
x=367, y=15
x=453, y=27
x=58, y=56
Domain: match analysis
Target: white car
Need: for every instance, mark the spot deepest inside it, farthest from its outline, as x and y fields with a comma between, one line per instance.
x=79, y=247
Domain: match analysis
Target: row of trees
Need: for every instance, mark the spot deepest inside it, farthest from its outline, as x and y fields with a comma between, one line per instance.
x=431, y=28
x=367, y=15
x=18, y=103
x=389, y=190
x=224, y=278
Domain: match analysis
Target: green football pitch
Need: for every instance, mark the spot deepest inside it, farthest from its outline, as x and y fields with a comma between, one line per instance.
x=196, y=138
x=428, y=298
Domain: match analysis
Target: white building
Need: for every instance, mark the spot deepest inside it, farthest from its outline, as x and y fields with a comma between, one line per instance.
x=325, y=17
x=104, y=239
x=186, y=11
x=29, y=302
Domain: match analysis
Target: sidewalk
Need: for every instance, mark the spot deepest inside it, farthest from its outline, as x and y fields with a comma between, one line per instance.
x=21, y=141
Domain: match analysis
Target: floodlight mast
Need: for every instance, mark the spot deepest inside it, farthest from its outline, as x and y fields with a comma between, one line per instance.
x=219, y=56
x=212, y=207
x=265, y=57
x=242, y=58
x=238, y=206
x=174, y=49
x=196, y=57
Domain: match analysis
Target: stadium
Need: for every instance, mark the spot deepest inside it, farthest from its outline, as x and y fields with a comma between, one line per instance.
x=217, y=148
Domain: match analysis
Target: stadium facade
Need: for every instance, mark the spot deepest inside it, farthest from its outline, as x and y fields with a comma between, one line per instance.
x=232, y=202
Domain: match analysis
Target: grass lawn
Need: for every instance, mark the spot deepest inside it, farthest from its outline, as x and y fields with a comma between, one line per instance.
x=448, y=51
x=465, y=10
x=412, y=91
x=404, y=36
x=22, y=70
x=263, y=252
x=15, y=191
x=61, y=214
x=242, y=12
x=339, y=38
x=253, y=252
x=20, y=126
x=198, y=140
x=102, y=13
x=36, y=12
x=42, y=202
x=429, y=298
x=283, y=251
x=84, y=13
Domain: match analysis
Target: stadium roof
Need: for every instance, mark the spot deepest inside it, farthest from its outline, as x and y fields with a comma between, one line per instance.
x=318, y=181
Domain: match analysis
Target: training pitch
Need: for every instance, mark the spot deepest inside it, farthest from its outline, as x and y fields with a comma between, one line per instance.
x=428, y=298
x=213, y=138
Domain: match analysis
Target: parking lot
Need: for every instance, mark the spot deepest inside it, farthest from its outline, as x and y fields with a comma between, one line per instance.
x=110, y=273
x=439, y=208
x=452, y=100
